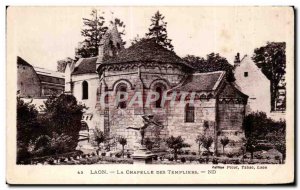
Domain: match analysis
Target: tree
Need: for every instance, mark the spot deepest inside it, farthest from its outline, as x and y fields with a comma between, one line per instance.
x=250, y=145
x=99, y=137
x=224, y=141
x=28, y=128
x=62, y=64
x=137, y=39
x=271, y=59
x=63, y=116
x=207, y=142
x=120, y=26
x=213, y=62
x=122, y=142
x=176, y=143
x=158, y=30
x=199, y=141
x=93, y=32
x=149, y=143
x=278, y=138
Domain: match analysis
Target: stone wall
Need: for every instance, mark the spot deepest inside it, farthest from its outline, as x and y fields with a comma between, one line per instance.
x=28, y=82
x=230, y=125
x=204, y=112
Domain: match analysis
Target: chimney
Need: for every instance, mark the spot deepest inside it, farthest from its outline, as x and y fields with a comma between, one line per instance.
x=237, y=59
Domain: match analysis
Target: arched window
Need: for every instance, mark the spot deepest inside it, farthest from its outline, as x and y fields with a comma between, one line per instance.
x=85, y=90
x=122, y=104
x=158, y=102
x=189, y=113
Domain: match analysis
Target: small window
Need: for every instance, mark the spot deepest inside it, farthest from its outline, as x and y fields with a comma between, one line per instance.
x=122, y=104
x=245, y=74
x=158, y=102
x=189, y=113
x=85, y=90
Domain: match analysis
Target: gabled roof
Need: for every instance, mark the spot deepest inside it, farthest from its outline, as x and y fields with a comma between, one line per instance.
x=146, y=51
x=201, y=82
x=46, y=72
x=21, y=61
x=85, y=65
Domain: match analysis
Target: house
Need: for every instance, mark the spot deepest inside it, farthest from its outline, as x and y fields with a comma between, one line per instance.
x=251, y=81
x=36, y=82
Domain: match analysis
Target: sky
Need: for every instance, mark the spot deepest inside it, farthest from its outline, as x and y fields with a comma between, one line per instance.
x=44, y=35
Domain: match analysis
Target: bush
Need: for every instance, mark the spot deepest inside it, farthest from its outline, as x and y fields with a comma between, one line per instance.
x=191, y=158
x=230, y=155
x=171, y=159
x=201, y=160
x=103, y=153
x=259, y=156
x=215, y=161
x=118, y=155
x=263, y=146
x=155, y=157
x=183, y=160
x=207, y=153
x=194, y=153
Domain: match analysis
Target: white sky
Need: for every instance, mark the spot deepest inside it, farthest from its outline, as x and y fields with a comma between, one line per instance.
x=44, y=35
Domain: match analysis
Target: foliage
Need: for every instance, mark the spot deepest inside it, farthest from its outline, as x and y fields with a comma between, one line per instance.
x=199, y=141
x=120, y=26
x=62, y=64
x=63, y=116
x=271, y=59
x=28, y=128
x=54, y=132
x=207, y=142
x=92, y=32
x=258, y=125
x=278, y=139
x=213, y=62
x=250, y=145
x=99, y=136
x=224, y=141
x=158, y=30
x=176, y=143
x=122, y=142
x=149, y=143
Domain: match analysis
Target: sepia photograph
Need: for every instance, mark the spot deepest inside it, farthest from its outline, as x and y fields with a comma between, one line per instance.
x=151, y=87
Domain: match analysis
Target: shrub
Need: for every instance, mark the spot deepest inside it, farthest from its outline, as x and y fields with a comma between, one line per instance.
x=171, y=159
x=230, y=155
x=183, y=160
x=207, y=153
x=118, y=155
x=191, y=158
x=194, y=153
x=259, y=156
x=201, y=160
x=155, y=157
x=93, y=154
x=103, y=153
x=215, y=161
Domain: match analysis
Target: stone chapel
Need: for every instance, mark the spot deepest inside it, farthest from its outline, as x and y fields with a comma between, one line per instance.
x=217, y=111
